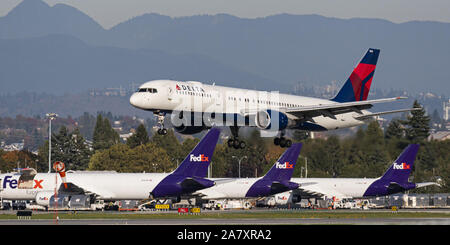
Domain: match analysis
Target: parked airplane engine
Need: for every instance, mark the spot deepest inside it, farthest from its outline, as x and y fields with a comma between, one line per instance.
x=175, y=199
x=271, y=120
x=296, y=198
x=43, y=197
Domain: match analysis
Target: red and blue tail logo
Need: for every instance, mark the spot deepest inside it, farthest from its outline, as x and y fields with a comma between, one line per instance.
x=357, y=86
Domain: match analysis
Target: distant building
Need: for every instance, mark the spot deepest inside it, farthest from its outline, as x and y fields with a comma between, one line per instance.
x=440, y=135
x=447, y=110
x=13, y=146
x=124, y=137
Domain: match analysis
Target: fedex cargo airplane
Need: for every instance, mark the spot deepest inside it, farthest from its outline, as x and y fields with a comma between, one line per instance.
x=276, y=180
x=187, y=178
x=394, y=180
x=195, y=107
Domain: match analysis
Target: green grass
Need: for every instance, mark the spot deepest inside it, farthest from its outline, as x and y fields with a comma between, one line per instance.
x=239, y=215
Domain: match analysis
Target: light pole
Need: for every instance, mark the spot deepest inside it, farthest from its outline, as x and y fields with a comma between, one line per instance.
x=50, y=117
x=239, y=161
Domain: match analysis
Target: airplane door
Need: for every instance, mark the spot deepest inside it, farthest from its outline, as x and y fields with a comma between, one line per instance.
x=170, y=94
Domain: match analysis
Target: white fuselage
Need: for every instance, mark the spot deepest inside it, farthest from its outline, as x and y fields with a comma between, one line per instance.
x=169, y=96
x=329, y=187
x=335, y=187
x=232, y=189
x=137, y=186
x=107, y=186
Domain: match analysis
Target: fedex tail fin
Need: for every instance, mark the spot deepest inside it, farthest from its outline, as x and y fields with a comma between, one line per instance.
x=401, y=169
x=283, y=169
x=197, y=162
x=357, y=86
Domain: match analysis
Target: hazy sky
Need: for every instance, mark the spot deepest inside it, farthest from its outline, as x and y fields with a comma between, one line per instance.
x=111, y=12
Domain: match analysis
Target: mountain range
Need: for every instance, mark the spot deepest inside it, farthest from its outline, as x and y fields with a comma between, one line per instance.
x=60, y=49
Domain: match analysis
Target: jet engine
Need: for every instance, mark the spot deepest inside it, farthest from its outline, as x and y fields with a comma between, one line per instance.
x=296, y=198
x=271, y=120
x=43, y=197
x=190, y=123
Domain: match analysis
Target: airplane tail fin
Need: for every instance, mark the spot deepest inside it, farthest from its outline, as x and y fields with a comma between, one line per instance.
x=197, y=162
x=283, y=169
x=357, y=86
x=401, y=169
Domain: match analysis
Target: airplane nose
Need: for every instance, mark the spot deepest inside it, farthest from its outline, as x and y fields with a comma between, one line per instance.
x=134, y=100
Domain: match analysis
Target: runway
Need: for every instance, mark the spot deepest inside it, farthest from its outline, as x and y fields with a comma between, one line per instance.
x=208, y=221
x=239, y=217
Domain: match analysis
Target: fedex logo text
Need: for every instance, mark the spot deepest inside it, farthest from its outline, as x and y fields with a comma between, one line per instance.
x=401, y=166
x=201, y=158
x=285, y=165
x=12, y=183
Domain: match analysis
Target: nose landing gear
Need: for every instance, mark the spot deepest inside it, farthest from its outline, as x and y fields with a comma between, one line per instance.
x=161, y=129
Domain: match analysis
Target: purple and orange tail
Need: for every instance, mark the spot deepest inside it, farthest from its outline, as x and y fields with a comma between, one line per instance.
x=357, y=86
x=197, y=162
x=402, y=167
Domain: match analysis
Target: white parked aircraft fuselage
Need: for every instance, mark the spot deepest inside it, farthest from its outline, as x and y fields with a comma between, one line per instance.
x=108, y=186
x=336, y=187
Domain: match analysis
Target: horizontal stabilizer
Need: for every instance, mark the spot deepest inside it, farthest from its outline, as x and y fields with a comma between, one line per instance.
x=419, y=185
x=366, y=116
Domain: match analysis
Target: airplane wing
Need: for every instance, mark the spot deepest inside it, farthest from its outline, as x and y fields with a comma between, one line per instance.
x=315, y=190
x=366, y=116
x=419, y=185
x=73, y=189
x=330, y=110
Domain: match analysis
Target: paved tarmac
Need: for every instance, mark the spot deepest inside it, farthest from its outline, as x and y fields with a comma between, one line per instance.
x=244, y=221
x=209, y=221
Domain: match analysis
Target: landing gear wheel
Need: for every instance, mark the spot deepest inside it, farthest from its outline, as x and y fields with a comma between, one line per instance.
x=236, y=143
x=234, y=140
x=162, y=131
x=276, y=141
x=282, y=142
x=288, y=143
x=230, y=142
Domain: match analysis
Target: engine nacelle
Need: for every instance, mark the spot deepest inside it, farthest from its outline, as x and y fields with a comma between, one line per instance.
x=43, y=197
x=188, y=123
x=271, y=120
x=189, y=129
x=296, y=198
x=175, y=199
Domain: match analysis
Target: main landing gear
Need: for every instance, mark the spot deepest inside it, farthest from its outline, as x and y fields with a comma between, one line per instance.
x=234, y=141
x=282, y=142
x=161, y=129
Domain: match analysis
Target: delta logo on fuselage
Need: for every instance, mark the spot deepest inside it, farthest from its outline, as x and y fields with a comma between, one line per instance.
x=190, y=88
x=285, y=165
x=13, y=183
x=401, y=166
x=200, y=158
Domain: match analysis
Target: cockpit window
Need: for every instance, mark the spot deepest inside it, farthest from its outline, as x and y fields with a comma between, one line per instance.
x=150, y=90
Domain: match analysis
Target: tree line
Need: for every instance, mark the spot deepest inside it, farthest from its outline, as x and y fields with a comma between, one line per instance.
x=368, y=153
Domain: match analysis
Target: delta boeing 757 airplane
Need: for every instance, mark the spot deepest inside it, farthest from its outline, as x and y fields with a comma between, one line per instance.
x=195, y=107
x=190, y=176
